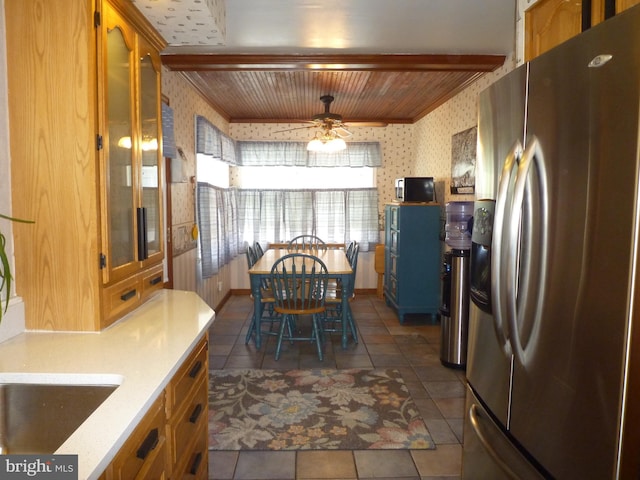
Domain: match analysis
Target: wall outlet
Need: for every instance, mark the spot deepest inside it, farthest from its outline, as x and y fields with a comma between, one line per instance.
x=219, y=286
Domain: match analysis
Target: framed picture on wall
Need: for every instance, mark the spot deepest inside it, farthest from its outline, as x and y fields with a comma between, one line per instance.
x=463, y=161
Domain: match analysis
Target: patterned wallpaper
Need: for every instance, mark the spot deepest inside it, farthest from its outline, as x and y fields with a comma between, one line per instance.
x=422, y=149
x=186, y=104
x=396, y=142
x=433, y=133
x=187, y=22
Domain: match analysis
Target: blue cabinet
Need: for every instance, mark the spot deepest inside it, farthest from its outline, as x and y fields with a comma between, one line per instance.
x=412, y=258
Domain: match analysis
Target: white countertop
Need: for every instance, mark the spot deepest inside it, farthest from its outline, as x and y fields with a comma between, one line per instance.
x=141, y=352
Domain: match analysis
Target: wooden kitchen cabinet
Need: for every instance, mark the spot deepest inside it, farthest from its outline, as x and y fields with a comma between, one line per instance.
x=187, y=416
x=144, y=455
x=548, y=23
x=130, y=74
x=84, y=114
x=599, y=7
x=171, y=442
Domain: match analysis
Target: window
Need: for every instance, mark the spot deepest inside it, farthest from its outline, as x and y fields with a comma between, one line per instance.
x=212, y=171
x=276, y=203
x=293, y=178
x=332, y=196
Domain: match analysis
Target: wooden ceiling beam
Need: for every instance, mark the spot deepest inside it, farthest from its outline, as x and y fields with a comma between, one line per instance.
x=381, y=63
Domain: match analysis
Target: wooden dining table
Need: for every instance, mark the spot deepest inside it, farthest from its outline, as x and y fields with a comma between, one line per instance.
x=338, y=267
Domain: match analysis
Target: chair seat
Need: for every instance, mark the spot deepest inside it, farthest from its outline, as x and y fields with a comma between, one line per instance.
x=299, y=283
x=297, y=308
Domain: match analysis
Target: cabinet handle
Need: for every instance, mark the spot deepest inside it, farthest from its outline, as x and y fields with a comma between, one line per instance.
x=156, y=280
x=196, y=413
x=143, y=246
x=126, y=296
x=149, y=444
x=196, y=463
x=196, y=368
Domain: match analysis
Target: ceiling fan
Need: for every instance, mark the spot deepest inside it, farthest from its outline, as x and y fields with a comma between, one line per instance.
x=332, y=123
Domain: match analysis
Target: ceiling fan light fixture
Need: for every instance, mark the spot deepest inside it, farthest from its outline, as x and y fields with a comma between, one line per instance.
x=335, y=145
x=315, y=145
x=327, y=143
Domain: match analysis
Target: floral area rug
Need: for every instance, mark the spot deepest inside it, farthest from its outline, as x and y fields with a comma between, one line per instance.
x=355, y=409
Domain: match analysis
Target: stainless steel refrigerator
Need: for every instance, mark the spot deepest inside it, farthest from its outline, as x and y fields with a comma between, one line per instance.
x=553, y=366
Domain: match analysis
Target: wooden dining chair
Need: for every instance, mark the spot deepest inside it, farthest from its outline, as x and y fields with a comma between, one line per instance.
x=257, y=248
x=307, y=243
x=335, y=293
x=350, y=247
x=299, y=284
x=267, y=315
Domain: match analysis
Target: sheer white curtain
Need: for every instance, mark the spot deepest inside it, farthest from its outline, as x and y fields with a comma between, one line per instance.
x=218, y=225
x=295, y=154
x=230, y=218
x=334, y=215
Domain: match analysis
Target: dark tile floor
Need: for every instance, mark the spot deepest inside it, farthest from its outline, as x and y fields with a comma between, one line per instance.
x=411, y=348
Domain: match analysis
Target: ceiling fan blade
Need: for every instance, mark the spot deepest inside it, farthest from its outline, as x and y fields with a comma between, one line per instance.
x=368, y=124
x=342, y=132
x=296, y=128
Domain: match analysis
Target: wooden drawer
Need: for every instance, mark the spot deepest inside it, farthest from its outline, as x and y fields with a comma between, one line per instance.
x=157, y=469
x=189, y=420
x=188, y=377
x=152, y=281
x=120, y=298
x=196, y=465
x=144, y=455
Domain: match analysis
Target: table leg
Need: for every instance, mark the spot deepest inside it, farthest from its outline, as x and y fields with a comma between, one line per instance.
x=256, y=281
x=346, y=287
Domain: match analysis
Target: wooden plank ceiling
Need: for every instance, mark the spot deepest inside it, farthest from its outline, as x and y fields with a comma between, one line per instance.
x=366, y=88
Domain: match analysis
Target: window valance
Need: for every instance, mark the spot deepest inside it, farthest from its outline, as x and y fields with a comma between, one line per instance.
x=295, y=154
x=211, y=141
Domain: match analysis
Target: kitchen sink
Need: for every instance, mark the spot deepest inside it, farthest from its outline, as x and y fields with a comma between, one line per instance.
x=38, y=417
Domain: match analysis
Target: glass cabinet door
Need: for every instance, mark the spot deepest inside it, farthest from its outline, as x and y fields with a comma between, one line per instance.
x=150, y=151
x=119, y=149
x=132, y=170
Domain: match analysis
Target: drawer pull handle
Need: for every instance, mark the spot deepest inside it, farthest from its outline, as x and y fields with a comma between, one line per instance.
x=156, y=280
x=196, y=463
x=196, y=368
x=149, y=444
x=127, y=296
x=196, y=413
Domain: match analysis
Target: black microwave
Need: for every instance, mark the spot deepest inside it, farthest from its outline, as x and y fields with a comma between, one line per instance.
x=415, y=189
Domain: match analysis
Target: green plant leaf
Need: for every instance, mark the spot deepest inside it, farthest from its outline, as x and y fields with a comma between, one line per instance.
x=13, y=219
x=5, y=267
x=5, y=275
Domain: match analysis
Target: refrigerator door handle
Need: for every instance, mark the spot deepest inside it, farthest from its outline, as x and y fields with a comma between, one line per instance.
x=533, y=155
x=475, y=421
x=498, y=263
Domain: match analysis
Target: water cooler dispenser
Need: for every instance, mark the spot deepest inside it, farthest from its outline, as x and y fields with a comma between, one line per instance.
x=454, y=312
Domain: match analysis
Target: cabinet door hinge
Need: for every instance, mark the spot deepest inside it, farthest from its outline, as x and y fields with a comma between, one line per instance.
x=96, y=19
x=103, y=261
x=98, y=142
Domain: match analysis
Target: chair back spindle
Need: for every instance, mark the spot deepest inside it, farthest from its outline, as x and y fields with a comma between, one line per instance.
x=308, y=243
